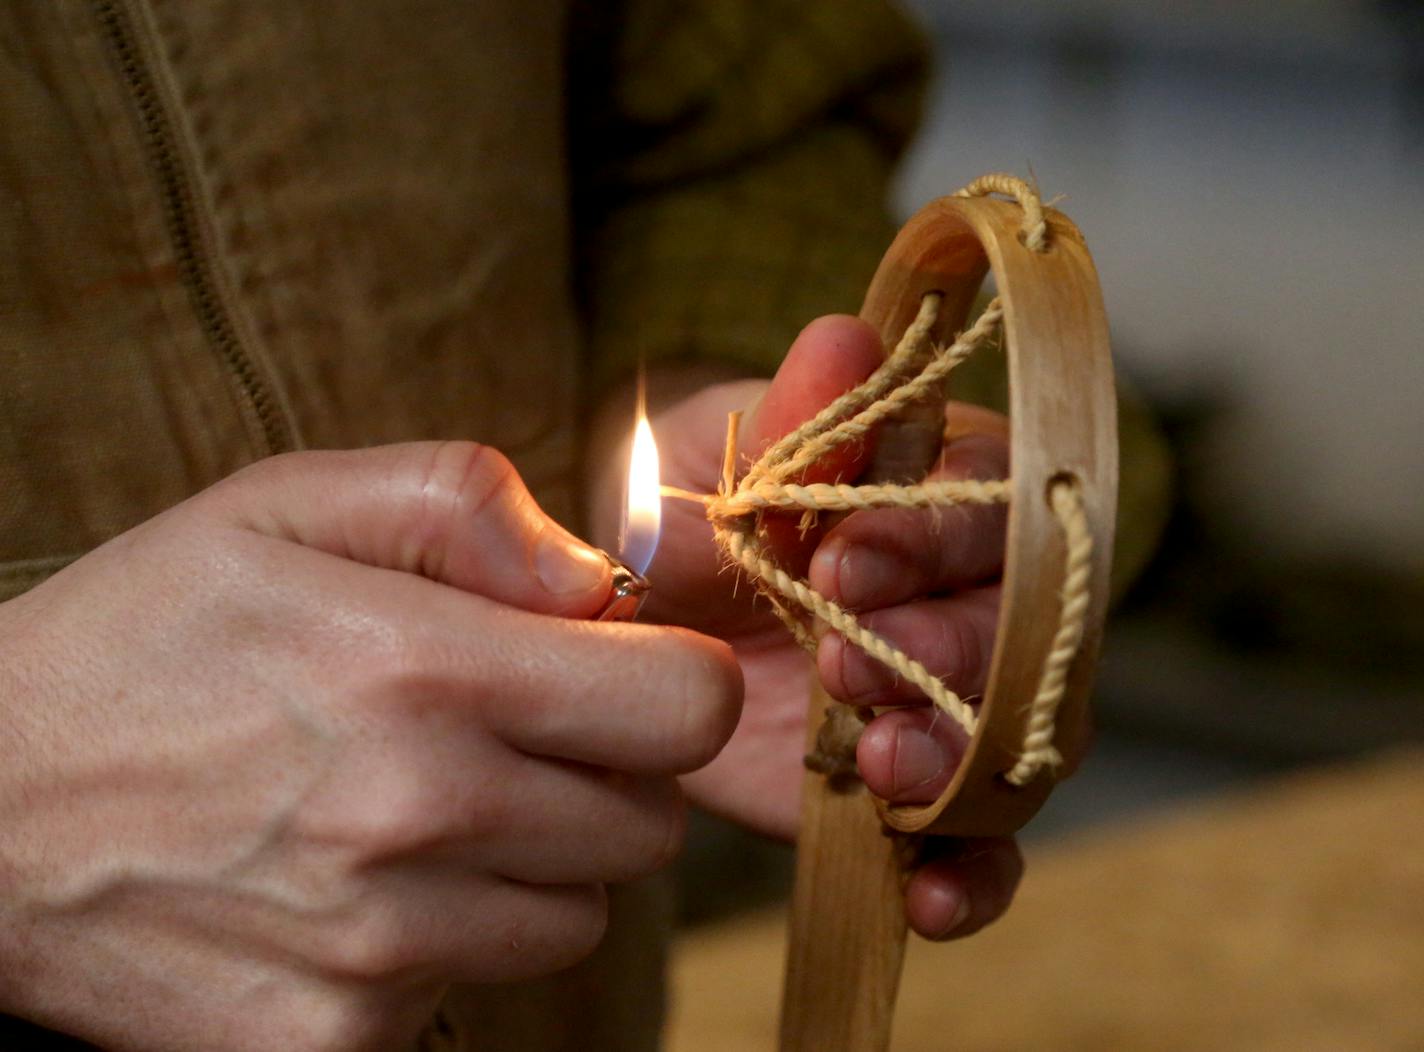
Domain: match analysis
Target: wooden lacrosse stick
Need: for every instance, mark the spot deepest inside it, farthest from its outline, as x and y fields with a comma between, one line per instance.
x=847, y=930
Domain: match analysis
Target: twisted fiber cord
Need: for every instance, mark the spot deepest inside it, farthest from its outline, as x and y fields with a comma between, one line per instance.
x=1038, y=750
x=826, y=496
x=735, y=517
x=929, y=379
x=735, y=511
x=899, y=364
x=1035, y=225
x=747, y=552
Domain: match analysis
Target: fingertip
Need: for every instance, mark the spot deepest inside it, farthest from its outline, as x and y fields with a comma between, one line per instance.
x=575, y=577
x=733, y=682
x=875, y=755
x=720, y=654
x=965, y=890
x=824, y=573
x=937, y=903
x=831, y=662
x=908, y=755
x=714, y=707
x=830, y=356
x=966, y=418
x=841, y=335
x=859, y=569
x=952, y=639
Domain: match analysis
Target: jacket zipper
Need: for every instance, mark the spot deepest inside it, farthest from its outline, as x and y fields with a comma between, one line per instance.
x=194, y=268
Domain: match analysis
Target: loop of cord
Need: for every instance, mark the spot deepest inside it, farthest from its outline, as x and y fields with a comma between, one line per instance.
x=1035, y=224
x=1075, y=596
x=769, y=484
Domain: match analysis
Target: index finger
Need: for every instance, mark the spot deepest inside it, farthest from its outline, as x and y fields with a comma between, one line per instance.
x=642, y=699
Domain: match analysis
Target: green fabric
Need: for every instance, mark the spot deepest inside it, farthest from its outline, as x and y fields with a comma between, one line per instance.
x=731, y=164
x=730, y=179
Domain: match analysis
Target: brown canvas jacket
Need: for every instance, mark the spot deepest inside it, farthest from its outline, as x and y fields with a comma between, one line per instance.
x=230, y=228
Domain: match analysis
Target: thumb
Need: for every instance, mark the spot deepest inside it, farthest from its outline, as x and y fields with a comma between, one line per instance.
x=829, y=357
x=455, y=512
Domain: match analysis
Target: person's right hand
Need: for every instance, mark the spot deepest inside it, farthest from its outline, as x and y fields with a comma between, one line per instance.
x=286, y=759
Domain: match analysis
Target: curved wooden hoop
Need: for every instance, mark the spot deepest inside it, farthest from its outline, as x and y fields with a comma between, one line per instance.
x=1063, y=424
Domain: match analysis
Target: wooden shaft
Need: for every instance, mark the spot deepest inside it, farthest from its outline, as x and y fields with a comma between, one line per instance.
x=846, y=942
x=847, y=936
x=847, y=933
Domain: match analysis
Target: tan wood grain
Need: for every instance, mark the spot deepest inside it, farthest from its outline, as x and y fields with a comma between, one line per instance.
x=1063, y=423
x=847, y=927
x=846, y=941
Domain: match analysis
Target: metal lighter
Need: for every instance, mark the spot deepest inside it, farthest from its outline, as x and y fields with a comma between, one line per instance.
x=630, y=589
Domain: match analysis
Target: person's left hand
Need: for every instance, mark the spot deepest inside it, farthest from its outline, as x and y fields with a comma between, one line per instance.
x=925, y=579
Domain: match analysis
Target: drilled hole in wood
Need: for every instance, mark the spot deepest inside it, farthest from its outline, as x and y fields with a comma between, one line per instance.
x=1060, y=478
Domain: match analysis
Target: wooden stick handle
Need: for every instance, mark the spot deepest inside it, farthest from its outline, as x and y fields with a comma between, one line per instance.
x=847, y=935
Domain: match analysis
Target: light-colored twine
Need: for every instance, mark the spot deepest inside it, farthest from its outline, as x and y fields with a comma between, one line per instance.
x=912, y=371
x=1035, y=224
x=1038, y=749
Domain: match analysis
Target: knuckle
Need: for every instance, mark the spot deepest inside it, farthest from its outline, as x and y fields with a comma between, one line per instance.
x=496, y=815
x=960, y=651
x=406, y=821
x=549, y=929
x=946, y=536
x=674, y=833
x=977, y=455
x=233, y=491
x=582, y=923
x=396, y=812
x=458, y=479
x=371, y=949
x=662, y=833
x=279, y=465
x=462, y=477
x=403, y=670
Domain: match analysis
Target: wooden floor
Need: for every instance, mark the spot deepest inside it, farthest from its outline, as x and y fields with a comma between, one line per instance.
x=1288, y=919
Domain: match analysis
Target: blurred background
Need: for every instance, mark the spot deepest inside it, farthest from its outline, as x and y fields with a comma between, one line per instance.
x=1250, y=178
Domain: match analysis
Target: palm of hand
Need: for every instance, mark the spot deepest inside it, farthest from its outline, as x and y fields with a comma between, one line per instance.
x=927, y=581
